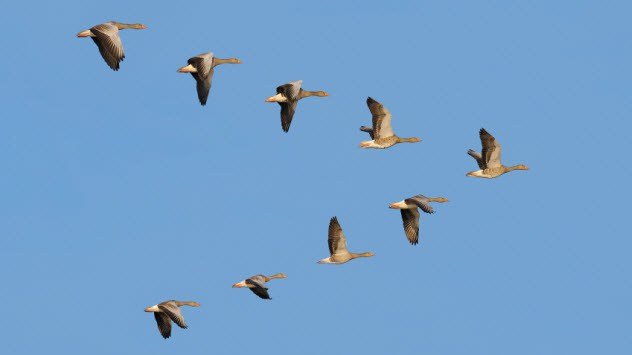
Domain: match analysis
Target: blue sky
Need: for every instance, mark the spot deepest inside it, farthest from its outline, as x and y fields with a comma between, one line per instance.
x=120, y=191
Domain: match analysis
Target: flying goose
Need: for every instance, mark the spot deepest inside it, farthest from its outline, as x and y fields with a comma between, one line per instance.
x=338, y=246
x=168, y=311
x=201, y=68
x=410, y=214
x=106, y=37
x=256, y=284
x=489, y=162
x=287, y=97
x=382, y=135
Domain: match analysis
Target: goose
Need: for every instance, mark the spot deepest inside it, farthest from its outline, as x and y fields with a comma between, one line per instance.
x=382, y=135
x=410, y=214
x=256, y=284
x=106, y=37
x=168, y=311
x=489, y=161
x=201, y=68
x=338, y=246
x=287, y=97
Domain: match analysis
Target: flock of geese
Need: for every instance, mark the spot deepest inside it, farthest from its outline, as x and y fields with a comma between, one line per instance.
x=201, y=67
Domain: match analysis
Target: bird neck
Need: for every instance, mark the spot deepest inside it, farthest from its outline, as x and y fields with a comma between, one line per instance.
x=407, y=140
x=187, y=303
x=305, y=93
x=123, y=26
x=515, y=167
x=218, y=61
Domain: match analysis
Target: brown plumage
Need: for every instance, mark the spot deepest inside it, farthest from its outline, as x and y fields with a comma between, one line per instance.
x=106, y=37
x=337, y=243
x=382, y=135
x=256, y=284
x=202, y=68
x=410, y=214
x=489, y=161
x=287, y=97
x=168, y=311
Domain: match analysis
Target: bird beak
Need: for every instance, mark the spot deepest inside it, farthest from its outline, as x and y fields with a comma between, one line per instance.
x=143, y=27
x=85, y=33
x=275, y=98
x=239, y=284
x=187, y=69
x=326, y=93
x=147, y=309
x=391, y=205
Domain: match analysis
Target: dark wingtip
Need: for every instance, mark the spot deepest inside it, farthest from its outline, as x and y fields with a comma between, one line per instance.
x=482, y=131
x=333, y=219
x=370, y=100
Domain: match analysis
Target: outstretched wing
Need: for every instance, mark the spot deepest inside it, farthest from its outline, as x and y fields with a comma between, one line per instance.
x=477, y=156
x=410, y=217
x=368, y=130
x=203, y=86
x=290, y=90
x=491, y=149
x=164, y=324
x=109, y=43
x=287, y=113
x=203, y=64
x=381, y=119
x=258, y=288
x=421, y=201
x=173, y=311
x=337, y=241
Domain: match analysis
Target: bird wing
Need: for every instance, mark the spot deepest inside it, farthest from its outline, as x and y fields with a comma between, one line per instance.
x=368, y=130
x=410, y=217
x=109, y=43
x=421, y=201
x=491, y=150
x=381, y=119
x=478, y=157
x=290, y=90
x=164, y=324
x=337, y=241
x=173, y=312
x=203, y=63
x=257, y=287
x=287, y=113
x=203, y=86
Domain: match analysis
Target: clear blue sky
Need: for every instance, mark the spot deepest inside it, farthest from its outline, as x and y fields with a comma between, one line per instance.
x=118, y=190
